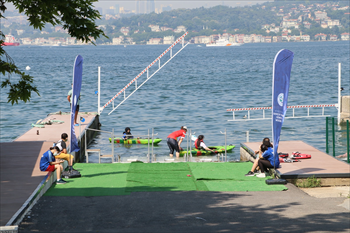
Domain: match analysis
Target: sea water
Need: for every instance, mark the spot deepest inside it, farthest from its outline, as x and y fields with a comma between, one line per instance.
x=194, y=90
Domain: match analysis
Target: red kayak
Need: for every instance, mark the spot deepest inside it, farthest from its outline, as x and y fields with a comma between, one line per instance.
x=297, y=155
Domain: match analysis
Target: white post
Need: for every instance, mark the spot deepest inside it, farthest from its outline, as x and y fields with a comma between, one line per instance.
x=339, y=91
x=247, y=136
x=112, y=145
x=98, y=90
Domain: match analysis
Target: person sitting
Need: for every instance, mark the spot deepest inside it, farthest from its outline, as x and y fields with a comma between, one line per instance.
x=200, y=145
x=255, y=169
x=267, y=140
x=48, y=163
x=265, y=154
x=127, y=134
x=268, y=161
x=61, y=144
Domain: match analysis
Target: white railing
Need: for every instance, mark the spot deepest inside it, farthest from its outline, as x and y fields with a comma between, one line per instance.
x=248, y=117
x=146, y=70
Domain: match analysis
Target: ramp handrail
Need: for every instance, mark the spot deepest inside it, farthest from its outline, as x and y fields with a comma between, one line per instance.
x=145, y=70
x=291, y=107
x=295, y=106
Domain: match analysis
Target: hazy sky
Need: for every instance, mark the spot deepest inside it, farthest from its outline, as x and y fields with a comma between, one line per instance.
x=130, y=5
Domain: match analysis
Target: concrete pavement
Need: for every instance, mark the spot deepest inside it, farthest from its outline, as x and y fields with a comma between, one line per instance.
x=283, y=211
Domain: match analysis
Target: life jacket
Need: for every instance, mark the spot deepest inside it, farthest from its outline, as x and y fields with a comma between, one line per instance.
x=126, y=135
x=195, y=143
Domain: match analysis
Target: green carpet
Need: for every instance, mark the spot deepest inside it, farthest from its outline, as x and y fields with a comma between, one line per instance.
x=97, y=180
x=122, y=179
x=159, y=177
x=230, y=177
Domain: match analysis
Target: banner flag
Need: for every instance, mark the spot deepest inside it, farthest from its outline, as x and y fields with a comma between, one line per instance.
x=282, y=67
x=77, y=79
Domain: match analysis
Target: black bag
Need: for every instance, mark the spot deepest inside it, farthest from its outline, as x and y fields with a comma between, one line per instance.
x=71, y=174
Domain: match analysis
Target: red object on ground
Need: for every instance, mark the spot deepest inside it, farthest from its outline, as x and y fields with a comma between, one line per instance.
x=297, y=155
x=188, y=175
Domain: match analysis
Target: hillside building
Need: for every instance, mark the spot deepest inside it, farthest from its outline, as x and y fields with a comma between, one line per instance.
x=154, y=41
x=168, y=39
x=345, y=36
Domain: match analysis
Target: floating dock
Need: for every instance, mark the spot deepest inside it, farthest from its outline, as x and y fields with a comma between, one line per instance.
x=321, y=165
x=19, y=161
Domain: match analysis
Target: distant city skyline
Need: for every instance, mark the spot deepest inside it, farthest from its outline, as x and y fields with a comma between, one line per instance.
x=131, y=6
x=144, y=6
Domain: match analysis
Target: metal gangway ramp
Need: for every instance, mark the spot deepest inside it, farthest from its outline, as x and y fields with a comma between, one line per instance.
x=146, y=70
x=294, y=107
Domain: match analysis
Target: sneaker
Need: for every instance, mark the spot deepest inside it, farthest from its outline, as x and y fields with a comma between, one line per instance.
x=250, y=173
x=61, y=181
x=257, y=172
x=261, y=175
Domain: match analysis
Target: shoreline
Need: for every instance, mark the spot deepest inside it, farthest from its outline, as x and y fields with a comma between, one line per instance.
x=65, y=45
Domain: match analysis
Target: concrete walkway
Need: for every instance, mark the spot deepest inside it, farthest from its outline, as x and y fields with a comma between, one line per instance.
x=283, y=211
x=19, y=162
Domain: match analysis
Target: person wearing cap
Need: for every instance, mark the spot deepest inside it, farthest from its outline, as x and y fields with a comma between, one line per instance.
x=172, y=141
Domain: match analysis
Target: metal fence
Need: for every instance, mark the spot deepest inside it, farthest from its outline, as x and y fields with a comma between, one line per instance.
x=337, y=139
x=150, y=155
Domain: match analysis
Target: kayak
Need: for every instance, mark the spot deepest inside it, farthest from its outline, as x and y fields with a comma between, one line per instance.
x=136, y=141
x=217, y=149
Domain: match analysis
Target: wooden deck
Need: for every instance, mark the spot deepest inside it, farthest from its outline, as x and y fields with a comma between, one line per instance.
x=320, y=165
x=19, y=162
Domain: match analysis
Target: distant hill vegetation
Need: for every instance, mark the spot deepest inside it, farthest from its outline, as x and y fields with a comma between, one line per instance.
x=249, y=18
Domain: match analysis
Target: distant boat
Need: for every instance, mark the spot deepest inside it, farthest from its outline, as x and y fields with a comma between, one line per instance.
x=10, y=41
x=222, y=42
x=125, y=46
x=58, y=44
x=199, y=45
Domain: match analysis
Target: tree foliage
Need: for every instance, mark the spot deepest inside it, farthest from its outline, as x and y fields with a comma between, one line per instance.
x=78, y=17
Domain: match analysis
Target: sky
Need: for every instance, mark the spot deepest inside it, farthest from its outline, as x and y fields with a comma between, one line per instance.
x=131, y=4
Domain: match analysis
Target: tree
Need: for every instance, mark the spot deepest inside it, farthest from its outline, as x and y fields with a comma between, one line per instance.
x=78, y=17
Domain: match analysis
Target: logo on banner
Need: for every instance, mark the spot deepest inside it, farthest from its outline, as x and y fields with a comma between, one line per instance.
x=280, y=98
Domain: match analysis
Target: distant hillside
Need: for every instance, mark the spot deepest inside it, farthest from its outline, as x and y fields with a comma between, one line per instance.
x=249, y=18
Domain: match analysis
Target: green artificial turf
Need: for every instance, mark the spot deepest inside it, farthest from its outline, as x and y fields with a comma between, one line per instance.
x=230, y=177
x=122, y=179
x=97, y=180
x=160, y=177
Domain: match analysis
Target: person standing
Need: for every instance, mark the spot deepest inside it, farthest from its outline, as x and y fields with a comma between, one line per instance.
x=172, y=141
x=69, y=98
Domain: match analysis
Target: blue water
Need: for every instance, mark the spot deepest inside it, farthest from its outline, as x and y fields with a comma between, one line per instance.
x=194, y=89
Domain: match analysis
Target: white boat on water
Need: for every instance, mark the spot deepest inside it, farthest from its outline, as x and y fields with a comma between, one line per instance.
x=223, y=42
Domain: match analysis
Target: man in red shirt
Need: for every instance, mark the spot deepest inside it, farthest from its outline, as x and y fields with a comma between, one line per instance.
x=172, y=141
